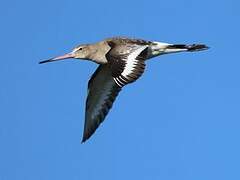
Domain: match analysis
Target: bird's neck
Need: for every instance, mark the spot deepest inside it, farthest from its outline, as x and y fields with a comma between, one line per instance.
x=98, y=52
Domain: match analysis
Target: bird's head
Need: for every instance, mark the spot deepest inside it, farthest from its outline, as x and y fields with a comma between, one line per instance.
x=79, y=52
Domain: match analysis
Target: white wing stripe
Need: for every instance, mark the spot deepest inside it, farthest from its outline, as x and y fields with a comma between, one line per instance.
x=118, y=82
x=131, y=61
x=120, y=78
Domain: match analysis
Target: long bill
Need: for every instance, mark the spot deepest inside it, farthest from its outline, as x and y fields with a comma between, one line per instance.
x=58, y=58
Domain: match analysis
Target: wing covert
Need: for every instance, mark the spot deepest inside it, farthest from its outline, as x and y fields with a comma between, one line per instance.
x=127, y=62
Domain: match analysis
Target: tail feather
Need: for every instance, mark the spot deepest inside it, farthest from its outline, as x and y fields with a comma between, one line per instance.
x=197, y=47
x=159, y=48
x=191, y=48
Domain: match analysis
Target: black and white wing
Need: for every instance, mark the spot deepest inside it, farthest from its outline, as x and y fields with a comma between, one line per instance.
x=127, y=62
x=125, y=66
x=102, y=91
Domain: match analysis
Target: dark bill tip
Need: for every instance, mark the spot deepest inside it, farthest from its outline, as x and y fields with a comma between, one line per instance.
x=65, y=56
x=45, y=61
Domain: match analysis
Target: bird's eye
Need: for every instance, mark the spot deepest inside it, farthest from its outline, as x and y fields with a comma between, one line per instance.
x=80, y=48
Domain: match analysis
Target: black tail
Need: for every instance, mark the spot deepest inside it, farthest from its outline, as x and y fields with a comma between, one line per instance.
x=191, y=47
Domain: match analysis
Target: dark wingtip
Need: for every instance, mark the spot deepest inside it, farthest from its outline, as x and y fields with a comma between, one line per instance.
x=197, y=47
x=87, y=133
x=83, y=140
x=85, y=137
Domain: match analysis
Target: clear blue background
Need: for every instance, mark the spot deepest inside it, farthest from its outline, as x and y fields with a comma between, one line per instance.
x=181, y=120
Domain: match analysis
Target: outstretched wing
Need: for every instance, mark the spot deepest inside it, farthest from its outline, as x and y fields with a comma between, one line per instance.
x=127, y=62
x=102, y=91
x=125, y=65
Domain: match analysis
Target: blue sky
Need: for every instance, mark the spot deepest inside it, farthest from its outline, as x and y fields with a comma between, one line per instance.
x=181, y=120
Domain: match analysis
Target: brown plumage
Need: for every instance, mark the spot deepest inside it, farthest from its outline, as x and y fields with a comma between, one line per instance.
x=122, y=61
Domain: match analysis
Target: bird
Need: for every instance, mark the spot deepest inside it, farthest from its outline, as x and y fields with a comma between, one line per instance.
x=122, y=61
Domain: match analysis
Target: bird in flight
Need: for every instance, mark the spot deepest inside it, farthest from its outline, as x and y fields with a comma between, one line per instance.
x=121, y=61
